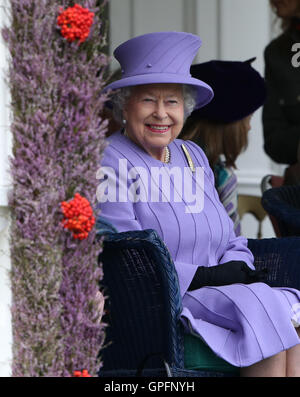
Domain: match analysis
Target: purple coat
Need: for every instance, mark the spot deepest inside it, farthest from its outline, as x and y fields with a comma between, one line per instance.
x=242, y=324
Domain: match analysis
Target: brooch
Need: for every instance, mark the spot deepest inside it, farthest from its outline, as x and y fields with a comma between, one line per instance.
x=188, y=157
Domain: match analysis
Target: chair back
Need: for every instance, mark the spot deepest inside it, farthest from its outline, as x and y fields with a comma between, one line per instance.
x=281, y=256
x=283, y=203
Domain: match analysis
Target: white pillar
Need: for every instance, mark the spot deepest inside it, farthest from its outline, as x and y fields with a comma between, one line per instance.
x=5, y=149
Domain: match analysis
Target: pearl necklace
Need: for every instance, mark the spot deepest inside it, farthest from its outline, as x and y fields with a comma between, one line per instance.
x=167, y=151
x=167, y=155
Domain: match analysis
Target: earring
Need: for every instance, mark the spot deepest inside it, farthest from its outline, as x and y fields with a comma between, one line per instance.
x=124, y=122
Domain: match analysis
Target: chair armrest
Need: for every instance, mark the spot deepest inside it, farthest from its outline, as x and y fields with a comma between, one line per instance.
x=103, y=227
x=281, y=256
x=144, y=301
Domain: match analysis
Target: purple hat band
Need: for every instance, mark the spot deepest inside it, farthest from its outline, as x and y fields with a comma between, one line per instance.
x=163, y=57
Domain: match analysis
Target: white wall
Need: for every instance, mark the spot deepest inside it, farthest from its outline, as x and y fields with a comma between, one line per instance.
x=5, y=149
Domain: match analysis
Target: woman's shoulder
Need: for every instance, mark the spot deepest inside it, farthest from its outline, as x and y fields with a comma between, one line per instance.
x=189, y=144
x=194, y=149
x=114, y=148
x=115, y=143
x=115, y=138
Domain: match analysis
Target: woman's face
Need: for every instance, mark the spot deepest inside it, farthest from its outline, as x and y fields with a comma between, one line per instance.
x=154, y=116
x=286, y=8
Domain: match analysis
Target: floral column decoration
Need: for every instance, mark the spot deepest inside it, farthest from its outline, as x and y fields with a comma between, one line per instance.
x=56, y=74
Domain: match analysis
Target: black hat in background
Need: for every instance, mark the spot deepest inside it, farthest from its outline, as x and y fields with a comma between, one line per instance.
x=239, y=90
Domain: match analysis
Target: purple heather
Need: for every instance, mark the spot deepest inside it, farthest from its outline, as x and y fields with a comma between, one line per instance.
x=58, y=140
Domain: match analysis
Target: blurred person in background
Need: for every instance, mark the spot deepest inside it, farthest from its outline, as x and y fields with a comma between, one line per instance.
x=281, y=112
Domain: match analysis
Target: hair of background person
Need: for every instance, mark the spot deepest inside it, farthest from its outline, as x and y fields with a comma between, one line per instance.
x=285, y=23
x=215, y=139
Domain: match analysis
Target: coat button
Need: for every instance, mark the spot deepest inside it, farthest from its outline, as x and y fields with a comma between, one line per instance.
x=281, y=101
x=149, y=65
x=298, y=98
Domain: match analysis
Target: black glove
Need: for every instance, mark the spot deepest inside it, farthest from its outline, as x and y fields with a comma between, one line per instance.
x=225, y=274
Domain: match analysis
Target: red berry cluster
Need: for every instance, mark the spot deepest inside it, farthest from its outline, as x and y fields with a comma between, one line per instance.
x=83, y=374
x=75, y=22
x=78, y=215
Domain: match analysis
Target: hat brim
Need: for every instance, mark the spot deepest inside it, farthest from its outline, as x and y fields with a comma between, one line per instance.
x=204, y=91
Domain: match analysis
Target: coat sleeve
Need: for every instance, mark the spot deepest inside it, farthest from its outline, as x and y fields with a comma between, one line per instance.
x=237, y=250
x=281, y=138
x=119, y=212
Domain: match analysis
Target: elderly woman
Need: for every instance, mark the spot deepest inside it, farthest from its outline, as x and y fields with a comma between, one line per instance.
x=151, y=180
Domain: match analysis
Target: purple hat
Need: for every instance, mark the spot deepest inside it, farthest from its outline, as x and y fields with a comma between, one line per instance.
x=163, y=57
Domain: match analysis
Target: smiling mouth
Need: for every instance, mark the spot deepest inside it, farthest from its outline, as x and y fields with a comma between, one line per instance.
x=158, y=128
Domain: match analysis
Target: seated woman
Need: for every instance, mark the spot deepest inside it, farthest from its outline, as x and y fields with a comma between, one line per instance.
x=221, y=128
x=151, y=179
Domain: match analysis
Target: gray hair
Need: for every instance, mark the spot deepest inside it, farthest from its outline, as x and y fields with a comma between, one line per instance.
x=121, y=97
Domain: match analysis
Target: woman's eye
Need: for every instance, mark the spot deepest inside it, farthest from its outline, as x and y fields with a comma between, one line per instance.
x=173, y=102
x=148, y=100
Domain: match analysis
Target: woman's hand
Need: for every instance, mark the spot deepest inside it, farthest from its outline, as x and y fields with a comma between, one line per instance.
x=225, y=274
